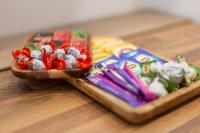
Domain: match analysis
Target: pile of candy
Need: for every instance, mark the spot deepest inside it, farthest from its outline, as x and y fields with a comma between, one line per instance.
x=135, y=75
x=58, y=50
x=121, y=82
x=154, y=81
x=168, y=77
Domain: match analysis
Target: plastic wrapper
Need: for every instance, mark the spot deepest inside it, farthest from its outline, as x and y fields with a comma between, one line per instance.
x=108, y=86
x=36, y=65
x=119, y=80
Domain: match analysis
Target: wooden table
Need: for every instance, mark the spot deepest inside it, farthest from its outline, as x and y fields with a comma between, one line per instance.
x=56, y=106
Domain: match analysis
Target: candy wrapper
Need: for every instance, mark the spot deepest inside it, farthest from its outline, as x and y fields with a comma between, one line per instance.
x=168, y=77
x=36, y=65
x=70, y=61
x=23, y=57
x=108, y=86
x=36, y=54
x=116, y=77
x=125, y=79
x=59, y=54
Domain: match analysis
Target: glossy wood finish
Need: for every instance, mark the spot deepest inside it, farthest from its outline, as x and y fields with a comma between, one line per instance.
x=55, y=106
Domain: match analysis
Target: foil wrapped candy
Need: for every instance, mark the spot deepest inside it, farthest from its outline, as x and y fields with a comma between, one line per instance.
x=59, y=53
x=173, y=71
x=36, y=65
x=36, y=55
x=47, y=56
x=23, y=57
x=70, y=61
x=168, y=77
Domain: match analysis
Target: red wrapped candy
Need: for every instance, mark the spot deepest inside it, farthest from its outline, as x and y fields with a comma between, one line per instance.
x=47, y=59
x=59, y=64
x=65, y=45
x=53, y=46
x=23, y=57
x=86, y=62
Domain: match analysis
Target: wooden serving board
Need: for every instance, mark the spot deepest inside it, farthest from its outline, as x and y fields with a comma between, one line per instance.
x=135, y=114
x=118, y=106
x=130, y=113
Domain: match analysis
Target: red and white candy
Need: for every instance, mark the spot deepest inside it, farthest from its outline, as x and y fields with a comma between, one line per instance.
x=37, y=65
x=60, y=53
x=70, y=61
x=48, y=49
x=73, y=51
x=36, y=55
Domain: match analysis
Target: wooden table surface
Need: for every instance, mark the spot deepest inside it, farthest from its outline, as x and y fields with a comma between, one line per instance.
x=56, y=106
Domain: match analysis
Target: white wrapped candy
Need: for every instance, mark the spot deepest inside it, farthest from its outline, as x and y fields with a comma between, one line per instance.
x=37, y=65
x=48, y=48
x=60, y=53
x=158, y=88
x=146, y=81
x=73, y=51
x=70, y=61
x=36, y=55
x=22, y=58
x=156, y=67
x=173, y=71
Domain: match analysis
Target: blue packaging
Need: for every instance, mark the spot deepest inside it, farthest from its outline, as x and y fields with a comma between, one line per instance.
x=108, y=61
x=140, y=55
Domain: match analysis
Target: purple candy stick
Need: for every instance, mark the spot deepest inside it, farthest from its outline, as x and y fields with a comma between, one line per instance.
x=107, y=85
x=117, y=79
x=149, y=95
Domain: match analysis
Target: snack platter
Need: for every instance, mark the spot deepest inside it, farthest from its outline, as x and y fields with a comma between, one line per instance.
x=126, y=111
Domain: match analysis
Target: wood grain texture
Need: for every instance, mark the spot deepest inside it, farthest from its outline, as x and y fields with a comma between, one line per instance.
x=35, y=106
x=130, y=24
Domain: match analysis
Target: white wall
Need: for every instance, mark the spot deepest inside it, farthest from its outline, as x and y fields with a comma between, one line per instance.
x=186, y=8
x=18, y=16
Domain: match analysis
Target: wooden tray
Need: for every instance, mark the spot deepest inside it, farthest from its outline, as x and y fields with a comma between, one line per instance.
x=118, y=106
x=44, y=74
x=130, y=113
x=136, y=114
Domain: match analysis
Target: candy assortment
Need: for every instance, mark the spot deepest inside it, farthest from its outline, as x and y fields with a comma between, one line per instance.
x=135, y=75
x=120, y=68
x=168, y=77
x=58, y=50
